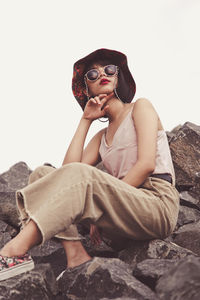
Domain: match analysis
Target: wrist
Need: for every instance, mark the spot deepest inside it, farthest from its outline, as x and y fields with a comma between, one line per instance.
x=86, y=120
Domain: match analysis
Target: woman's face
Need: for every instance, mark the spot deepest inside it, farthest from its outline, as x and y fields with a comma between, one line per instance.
x=105, y=84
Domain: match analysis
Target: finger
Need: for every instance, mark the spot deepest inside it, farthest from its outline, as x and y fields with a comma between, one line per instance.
x=105, y=109
x=93, y=100
x=108, y=97
x=101, y=96
x=97, y=100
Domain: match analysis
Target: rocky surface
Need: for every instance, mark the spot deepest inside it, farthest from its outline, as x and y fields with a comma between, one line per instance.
x=157, y=269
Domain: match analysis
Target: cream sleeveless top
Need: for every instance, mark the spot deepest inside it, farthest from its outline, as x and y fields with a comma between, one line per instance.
x=119, y=157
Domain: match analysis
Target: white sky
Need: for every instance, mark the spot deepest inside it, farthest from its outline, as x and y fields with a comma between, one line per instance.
x=41, y=40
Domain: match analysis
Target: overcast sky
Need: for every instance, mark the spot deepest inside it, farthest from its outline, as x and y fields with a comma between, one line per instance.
x=41, y=40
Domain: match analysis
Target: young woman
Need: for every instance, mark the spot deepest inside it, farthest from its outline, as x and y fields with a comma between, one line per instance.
x=136, y=200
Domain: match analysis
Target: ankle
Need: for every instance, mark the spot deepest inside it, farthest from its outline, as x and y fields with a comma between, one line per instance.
x=76, y=253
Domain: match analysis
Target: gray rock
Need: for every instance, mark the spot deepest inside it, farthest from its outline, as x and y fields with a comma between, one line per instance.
x=140, y=251
x=187, y=215
x=9, y=214
x=188, y=236
x=15, y=178
x=150, y=270
x=190, y=200
x=50, y=252
x=123, y=298
x=102, y=250
x=185, y=150
x=103, y=278
x=34, y=285
x=5, y=235
x=7, y=197
x=181, y=282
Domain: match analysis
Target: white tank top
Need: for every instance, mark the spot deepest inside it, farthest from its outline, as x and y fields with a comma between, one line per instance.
x=119, y=157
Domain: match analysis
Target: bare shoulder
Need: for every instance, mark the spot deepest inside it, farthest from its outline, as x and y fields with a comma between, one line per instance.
x=143, y=109
x=142, y=103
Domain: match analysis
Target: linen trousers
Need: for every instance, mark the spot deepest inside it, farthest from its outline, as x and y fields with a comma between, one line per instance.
x=57, y=199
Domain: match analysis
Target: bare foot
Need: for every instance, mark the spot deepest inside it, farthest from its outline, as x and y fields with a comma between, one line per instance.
x=78, y=261
x=11, y=249
x=75, y=252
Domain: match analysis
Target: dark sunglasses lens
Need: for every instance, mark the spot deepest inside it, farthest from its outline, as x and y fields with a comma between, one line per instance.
x=92, y=74
x=110, y=70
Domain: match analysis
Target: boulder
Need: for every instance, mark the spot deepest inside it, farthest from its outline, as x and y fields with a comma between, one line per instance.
x=188, y=236
x=37, y=284
x=9, y=213
x=190, y=199
x=155, y=249
x=103, y=278
x=187, y=215
x=181, y=282
x=150, y=270
x=5, y=235
x=15, y=178
x=101, y=250
x=156, y=269
x=185, y=150
x=50, y=252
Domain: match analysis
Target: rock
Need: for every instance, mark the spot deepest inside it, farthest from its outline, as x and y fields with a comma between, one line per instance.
x=5, y=235
x=151, y=262
x=9, y=214
x=15, y=178
x=103, y=278
x=102, y=250
x=187, y=215
x=188, y=236
x=50, y=252
x=155, y=249
x=185, y=150
x=34, y=285
x=150, y=270
x=190, y=200
x=123, y=298
x=181, y=282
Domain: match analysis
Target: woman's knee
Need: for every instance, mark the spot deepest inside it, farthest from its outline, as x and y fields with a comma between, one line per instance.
x=40, y=172
x=78, y=169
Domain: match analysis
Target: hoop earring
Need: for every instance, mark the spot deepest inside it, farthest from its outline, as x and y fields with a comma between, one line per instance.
x=103, y=121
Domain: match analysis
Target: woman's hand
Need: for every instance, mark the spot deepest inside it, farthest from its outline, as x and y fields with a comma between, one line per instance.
x=95, y=235
x=95, y=108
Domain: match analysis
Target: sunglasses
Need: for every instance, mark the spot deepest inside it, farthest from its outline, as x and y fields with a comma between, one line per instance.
x=94, y=74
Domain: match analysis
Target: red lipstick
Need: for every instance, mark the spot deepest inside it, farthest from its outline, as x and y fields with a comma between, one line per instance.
x=104, y=81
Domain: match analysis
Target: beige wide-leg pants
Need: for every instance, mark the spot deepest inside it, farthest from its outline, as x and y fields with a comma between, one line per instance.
x=57, y=199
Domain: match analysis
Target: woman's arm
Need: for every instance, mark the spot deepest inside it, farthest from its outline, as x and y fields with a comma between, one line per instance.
x=146, y=125
x=92, y=111
x=75, y=150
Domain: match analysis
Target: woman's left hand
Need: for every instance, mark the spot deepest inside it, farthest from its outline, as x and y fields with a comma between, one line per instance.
x=96, y=107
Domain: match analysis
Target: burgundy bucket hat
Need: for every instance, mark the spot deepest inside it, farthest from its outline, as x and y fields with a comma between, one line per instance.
x=126, y=84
